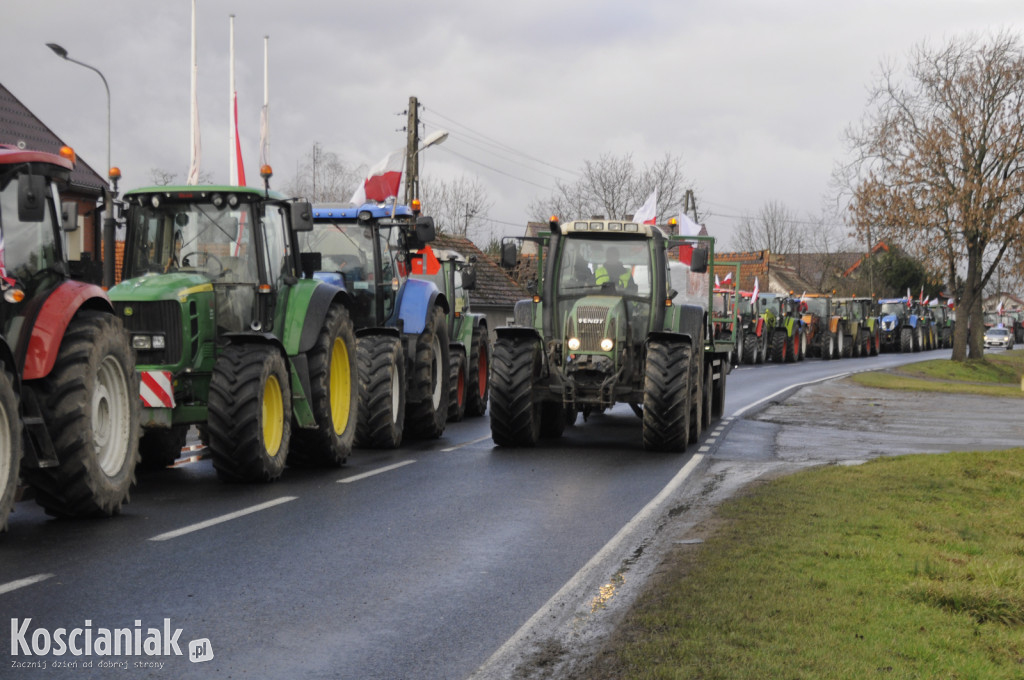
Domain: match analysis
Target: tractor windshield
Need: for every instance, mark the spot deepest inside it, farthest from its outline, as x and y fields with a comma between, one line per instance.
x=27, y=247
x=193, y=237
x=893, y=308
x=601, y=267
x=817, y=306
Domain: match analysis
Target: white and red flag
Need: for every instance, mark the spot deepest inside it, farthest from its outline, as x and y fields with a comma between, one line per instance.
x=949, y=303
x=999, y=309
x=728, y=279
x=383, y=180
x=757, y=290
x=648, y=212
x=687, y=227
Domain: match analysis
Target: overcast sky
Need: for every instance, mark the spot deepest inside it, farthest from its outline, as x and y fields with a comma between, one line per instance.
x=753, y=96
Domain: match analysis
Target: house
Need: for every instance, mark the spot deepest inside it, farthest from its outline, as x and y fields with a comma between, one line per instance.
x=496, y=293
x=20, y=127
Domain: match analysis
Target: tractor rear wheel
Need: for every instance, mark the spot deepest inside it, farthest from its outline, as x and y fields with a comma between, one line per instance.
x=250, y=414
x=828, y=346
x=457, y=386
x=750, y=349
x=780, y=346
x=90, y=404
x=515, y=416
x=426, y=403
x=906, y=340
x=479, y=372
x=666, y=421
x=10, y=446
x=864, y=342
x=381, y=392
x=718, y=392
x=334, y=391
x=161, y=446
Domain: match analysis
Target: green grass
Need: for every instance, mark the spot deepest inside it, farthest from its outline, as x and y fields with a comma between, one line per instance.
x=909, y=567
x=997, y=375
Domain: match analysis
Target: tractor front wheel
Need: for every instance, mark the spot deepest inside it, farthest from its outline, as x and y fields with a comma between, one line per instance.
x=515, y=416
x=90, y=404
x=10, y=446
x=666, y=413
x=479, y=372
x=250, y=414
x=457, y=386
x=427, y=399
x=381, y=392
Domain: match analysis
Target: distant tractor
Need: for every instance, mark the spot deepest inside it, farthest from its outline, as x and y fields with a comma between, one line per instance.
x=69, y=415
x=615, y=320
x=788, y=341
x=861, y=333
x=756, y=323
x=900, y=327
x=230, y=337
x=401, y=322
x=816, y=312
x=470, y=341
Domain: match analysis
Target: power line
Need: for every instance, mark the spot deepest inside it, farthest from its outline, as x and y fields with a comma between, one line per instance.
x=492, y=169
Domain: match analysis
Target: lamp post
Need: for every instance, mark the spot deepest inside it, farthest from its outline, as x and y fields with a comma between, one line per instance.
x=412, y=186
x=63, y=54
x=109, y=222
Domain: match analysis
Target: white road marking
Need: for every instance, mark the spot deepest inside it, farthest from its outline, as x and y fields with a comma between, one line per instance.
x=786, y=389
x=463, y=444
x=21, y=583
x=371, y=473
x=223, y=518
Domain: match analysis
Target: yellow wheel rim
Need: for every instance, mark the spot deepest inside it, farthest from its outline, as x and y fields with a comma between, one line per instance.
x=341, y=386
x=273, y=415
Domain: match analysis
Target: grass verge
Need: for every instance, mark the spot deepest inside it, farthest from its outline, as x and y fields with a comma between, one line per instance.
x=995, y=375
x=909, y=567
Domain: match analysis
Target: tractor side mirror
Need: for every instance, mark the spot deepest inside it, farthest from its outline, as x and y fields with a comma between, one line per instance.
x=302, y=216
x=425, y=231
x=69, y=215
x=469, y=278
x=699, y=262
x=31, y=198
x=509, y=255
x=311, y=262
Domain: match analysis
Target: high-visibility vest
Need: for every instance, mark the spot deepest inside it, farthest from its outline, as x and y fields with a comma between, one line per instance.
x=601, y=276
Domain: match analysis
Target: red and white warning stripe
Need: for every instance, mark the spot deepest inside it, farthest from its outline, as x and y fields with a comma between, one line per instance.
x=155, y=389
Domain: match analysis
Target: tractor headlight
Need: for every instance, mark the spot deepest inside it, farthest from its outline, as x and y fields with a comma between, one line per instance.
x=142, y=342
x=607, y=344
x=574, y=344
x=159, y=342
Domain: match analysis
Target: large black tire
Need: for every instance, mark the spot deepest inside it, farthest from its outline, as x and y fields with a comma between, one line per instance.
x=906, y=339
x=250, y=413
x=161, y=446
x=426, y=405
x=708, y=407
x=848, y=346
x=515, y=416
x=876, y=343
x=10, y=446
x=828, y=346
x=90, y=404
x=696, y=398
x=458, y=385
x=780, y=346
x=751, y=351
x=864, y=342
x=718, y=393
x=479, y=371
x=381, y=392
x=334, y=394
x=666, y=421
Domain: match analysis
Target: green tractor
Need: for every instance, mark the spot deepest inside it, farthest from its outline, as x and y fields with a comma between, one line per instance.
x=614, y=320
x=858, y=333
x=788, y=340
x=230, y=337
x=470, y=341
x=69, y=415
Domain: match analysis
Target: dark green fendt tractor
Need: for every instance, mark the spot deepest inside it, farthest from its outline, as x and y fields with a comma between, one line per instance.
x=230, y=337
x=615, y=319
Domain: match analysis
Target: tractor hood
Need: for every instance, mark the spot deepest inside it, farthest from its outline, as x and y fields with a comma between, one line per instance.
x=595, y=319
x=150, y=287
x=889, y=322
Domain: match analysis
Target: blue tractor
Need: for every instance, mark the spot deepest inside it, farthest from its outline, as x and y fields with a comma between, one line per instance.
x=901, y=327
x=402, y=343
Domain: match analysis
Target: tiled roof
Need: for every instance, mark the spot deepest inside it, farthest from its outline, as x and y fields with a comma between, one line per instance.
x=493, y=286
x=18, y=124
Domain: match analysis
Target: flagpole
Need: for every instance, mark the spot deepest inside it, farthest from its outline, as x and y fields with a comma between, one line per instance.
x=193, y=165
x=232, y=168
x=265, y=122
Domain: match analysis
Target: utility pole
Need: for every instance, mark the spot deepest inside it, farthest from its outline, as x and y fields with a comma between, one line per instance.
x=412, y=176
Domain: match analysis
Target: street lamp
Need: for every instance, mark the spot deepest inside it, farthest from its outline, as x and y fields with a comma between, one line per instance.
x=109, y=222
x=412, y=187
x=63, y=54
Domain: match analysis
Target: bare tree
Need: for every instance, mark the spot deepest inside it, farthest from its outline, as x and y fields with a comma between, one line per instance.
x=613, y=187
x=459, y=206
x=324, y=177
x=939, y=165
x=775, y=228
x=162, y=178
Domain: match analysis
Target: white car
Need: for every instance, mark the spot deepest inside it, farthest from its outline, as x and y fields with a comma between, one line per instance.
x=998, y=337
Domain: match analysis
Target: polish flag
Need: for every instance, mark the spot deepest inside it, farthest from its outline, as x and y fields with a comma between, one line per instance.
x=757, y=290
x=687, y=227
x=999, y=309
x=648, y=212
x=728, y=278
x=383, y=181
x=239, y=166
x=949, y=303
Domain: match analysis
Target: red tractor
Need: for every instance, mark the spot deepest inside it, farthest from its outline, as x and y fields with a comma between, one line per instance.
x=69, y=406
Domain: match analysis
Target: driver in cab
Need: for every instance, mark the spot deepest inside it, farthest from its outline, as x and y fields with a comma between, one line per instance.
x=613, y=273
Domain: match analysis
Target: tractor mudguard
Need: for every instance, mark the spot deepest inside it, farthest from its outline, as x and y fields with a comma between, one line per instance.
x=415, y=301
x=298, y=367
x=316, y=306
x=52, y=321
x=912, y=321
x=833, y=325
x=684, y=320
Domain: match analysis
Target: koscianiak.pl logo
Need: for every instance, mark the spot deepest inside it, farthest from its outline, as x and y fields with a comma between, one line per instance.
x=130, y=647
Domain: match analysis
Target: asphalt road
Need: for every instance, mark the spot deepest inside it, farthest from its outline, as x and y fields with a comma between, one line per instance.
x=438, y=560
